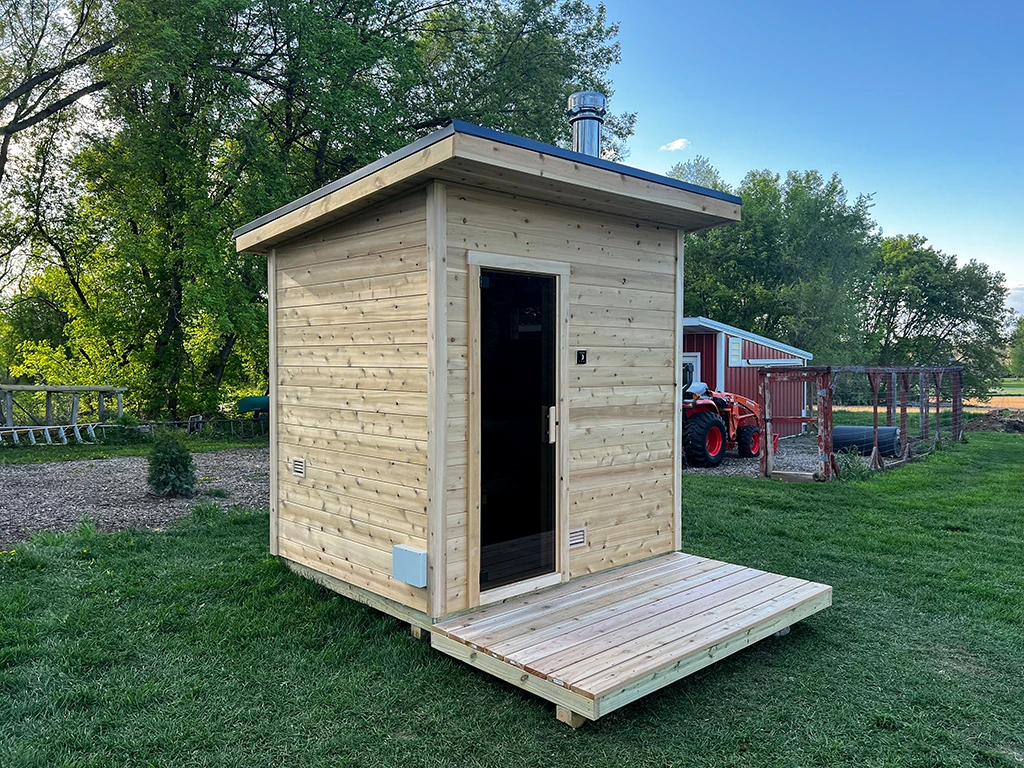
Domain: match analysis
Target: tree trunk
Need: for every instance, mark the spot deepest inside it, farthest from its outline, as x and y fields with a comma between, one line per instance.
x=218, y=366
x=169, y=349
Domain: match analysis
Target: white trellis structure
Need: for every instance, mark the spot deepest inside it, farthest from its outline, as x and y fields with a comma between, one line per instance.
x=48, y=431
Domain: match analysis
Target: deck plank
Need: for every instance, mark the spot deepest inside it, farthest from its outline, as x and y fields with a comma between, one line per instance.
x=614, y=678
x=598, y=642
x=512, y=612
x=589, y=614
x=622, y=694
x=647, y=609
x=620, y=646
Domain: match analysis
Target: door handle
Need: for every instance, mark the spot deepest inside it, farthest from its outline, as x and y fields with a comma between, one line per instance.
x=552, y=424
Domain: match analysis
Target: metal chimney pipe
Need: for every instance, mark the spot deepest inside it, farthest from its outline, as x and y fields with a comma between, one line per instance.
x=586, y=114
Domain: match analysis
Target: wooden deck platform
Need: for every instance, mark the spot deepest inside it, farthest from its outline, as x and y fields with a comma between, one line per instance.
x=599, y=642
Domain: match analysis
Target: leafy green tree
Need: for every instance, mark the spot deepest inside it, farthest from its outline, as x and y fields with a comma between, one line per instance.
x=921, y=308
x=512, y=66
x=1017, y=350
x=215, y=113
x=787, y=269
x=30, y=317
x=701, y=172
x=48, y=52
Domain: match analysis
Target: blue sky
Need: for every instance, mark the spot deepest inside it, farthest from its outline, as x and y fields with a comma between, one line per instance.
x=921, y=104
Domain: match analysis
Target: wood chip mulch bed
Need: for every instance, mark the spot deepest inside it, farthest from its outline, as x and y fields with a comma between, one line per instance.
x=56, y=496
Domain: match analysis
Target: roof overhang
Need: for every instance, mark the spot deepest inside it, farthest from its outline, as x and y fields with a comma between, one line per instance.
x=699, y=324
x=468, y=154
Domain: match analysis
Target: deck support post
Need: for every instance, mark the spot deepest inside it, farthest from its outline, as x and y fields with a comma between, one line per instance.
x=570, y=718
x=9, y=408
x=418, y=632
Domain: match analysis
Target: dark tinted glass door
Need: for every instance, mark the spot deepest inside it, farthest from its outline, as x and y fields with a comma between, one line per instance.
x=518, y=345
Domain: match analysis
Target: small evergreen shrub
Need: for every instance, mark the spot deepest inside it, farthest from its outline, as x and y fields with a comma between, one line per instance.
x=171, y=471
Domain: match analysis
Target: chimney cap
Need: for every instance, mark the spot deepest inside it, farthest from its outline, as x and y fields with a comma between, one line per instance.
x=590, y=104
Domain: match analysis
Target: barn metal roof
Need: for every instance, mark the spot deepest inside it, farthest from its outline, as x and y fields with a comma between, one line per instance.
x=706, y=324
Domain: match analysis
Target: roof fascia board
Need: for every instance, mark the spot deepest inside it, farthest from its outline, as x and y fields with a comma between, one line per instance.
x=344, y=181
x=590, y=177
x=322, y=209
x=709, y=201
x=739, y=333
x=589, y=160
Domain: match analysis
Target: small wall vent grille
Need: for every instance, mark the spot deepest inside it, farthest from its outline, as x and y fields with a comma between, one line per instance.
x=577, y=538
x=299, y=467
x=735, y=352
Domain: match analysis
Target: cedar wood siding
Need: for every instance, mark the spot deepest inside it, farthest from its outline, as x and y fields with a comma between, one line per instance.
x=352, y=395
x=621, y=404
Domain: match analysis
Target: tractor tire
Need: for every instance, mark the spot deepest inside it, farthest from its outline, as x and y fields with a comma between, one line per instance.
x=748, y=441
x=704, y=440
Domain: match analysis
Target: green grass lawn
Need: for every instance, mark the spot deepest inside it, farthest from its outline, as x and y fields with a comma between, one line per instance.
x=192, y=647
x=866, y=419
x=1011, y=387
x=37, y=454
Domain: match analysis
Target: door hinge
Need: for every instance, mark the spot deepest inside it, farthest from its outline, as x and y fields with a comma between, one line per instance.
x=485, y=281
x=552, y=424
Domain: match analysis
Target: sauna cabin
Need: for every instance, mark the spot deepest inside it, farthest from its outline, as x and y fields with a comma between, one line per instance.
x=475, y=356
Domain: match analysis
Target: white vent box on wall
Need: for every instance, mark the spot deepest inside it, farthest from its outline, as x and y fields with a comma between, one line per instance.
x=735, y=352
x=409, y=565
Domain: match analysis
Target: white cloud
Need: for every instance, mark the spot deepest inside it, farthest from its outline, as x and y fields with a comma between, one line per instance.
x=678, y=144
x=1016, y=298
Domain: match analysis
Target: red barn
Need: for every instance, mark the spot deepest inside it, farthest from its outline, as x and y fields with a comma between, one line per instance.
x=726, y=358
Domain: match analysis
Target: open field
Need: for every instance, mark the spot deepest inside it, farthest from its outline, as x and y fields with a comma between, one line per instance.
x=999, y=401
x=192, y=647
x=1011, y=387
x=863, y=416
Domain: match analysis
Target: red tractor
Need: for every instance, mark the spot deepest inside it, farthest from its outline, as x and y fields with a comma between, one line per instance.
x=716, y=421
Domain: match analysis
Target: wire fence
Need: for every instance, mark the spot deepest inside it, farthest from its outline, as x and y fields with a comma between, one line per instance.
x=907, y=406
x=98, y=432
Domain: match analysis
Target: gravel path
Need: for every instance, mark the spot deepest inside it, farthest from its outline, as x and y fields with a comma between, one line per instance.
x=113, y=494
x=796, y=454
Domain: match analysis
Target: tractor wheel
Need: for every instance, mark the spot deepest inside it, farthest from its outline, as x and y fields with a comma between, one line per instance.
x=704, y=440
x=748, y=440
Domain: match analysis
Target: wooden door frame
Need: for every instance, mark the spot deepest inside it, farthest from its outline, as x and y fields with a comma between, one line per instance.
x=560, y=271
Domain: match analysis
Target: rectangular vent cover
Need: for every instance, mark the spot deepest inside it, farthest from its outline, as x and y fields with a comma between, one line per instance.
x=735, y=352
x=577, y=538
x=299, y=467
